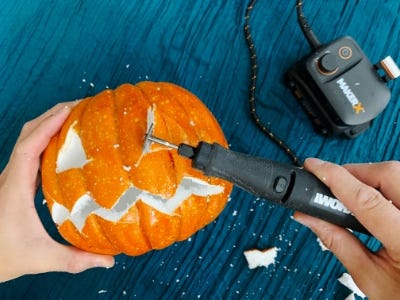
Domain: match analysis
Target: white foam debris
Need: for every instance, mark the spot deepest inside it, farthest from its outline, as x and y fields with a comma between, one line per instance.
x=348, y=282
x=261, y=258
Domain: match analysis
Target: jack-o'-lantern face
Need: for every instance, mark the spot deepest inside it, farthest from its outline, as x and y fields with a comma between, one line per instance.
x=107, y=195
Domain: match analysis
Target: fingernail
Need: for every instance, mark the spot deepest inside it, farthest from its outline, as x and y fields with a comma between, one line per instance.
x=106, y=264
x=63, y=110
x=304, y=220
x=313, y=161
x=300, y=220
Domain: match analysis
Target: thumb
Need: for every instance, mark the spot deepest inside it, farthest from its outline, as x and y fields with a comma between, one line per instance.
x=72, y=260
x=345, y=246
x=34, y=138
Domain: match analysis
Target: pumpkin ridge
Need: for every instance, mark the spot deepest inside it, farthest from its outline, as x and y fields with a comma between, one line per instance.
x=141, y=214
x=150, y=91
x=62, y=137
x=103, y=226
x=179, y=123
x=100, y=225
x=201, y=109
x=178, y=101
x=94, y=220
x=96, y=225
x=84, y=240
x=48, y=193
x=141, y=225
x=117, y=124
x=182, y=123
x=176, y=173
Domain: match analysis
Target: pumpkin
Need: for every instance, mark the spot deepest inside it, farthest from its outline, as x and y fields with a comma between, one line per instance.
x=108, y=194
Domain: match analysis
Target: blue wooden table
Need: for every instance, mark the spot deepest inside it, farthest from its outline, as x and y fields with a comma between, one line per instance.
x=54, y=51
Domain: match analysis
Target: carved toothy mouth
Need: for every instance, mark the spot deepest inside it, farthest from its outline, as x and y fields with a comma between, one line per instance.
x=86, y=205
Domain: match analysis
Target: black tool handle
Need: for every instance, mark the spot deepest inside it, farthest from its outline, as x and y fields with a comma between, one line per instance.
x=283, y=184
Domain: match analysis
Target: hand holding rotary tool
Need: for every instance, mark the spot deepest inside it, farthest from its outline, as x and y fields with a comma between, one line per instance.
x=286, y=185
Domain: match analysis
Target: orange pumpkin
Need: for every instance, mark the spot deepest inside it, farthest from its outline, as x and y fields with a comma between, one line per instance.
x=107, y=195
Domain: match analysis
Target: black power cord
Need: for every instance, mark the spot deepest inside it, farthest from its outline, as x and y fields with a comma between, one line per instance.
x=307, y=31
x=253, y=77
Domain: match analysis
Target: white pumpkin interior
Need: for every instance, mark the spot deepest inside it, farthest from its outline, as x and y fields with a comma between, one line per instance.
x=71, y=154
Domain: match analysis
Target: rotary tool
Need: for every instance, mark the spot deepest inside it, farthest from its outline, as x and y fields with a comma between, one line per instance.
x=283, y=184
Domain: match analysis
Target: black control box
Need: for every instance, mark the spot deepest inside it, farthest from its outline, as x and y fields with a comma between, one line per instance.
x=339, y=88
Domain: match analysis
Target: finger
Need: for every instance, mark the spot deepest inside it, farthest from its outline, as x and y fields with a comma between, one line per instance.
x=347, y=248
x=31, y=125
x=24, y=162
x=384, y=176
x=375, y=212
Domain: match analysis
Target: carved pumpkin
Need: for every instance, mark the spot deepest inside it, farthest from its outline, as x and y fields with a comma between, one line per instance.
x=107, y=195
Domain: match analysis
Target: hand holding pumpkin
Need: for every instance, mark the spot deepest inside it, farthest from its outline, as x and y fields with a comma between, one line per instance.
x=25, y=246
x=365, y=189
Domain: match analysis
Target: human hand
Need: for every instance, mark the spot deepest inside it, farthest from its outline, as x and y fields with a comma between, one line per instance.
x=25, y=246
x=372, y=193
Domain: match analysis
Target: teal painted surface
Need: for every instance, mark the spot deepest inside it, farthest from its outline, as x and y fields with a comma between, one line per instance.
x=53, y=51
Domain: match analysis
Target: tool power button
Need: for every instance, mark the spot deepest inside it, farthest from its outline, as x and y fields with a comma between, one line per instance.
x=345, y=52
x=280, y=184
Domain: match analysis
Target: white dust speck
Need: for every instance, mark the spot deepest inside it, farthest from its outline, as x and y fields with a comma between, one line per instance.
x=102, y=292
x=91, y=84
x=127, y=168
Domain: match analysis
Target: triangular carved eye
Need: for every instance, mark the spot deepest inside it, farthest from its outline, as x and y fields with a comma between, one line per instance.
x=72, y=154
